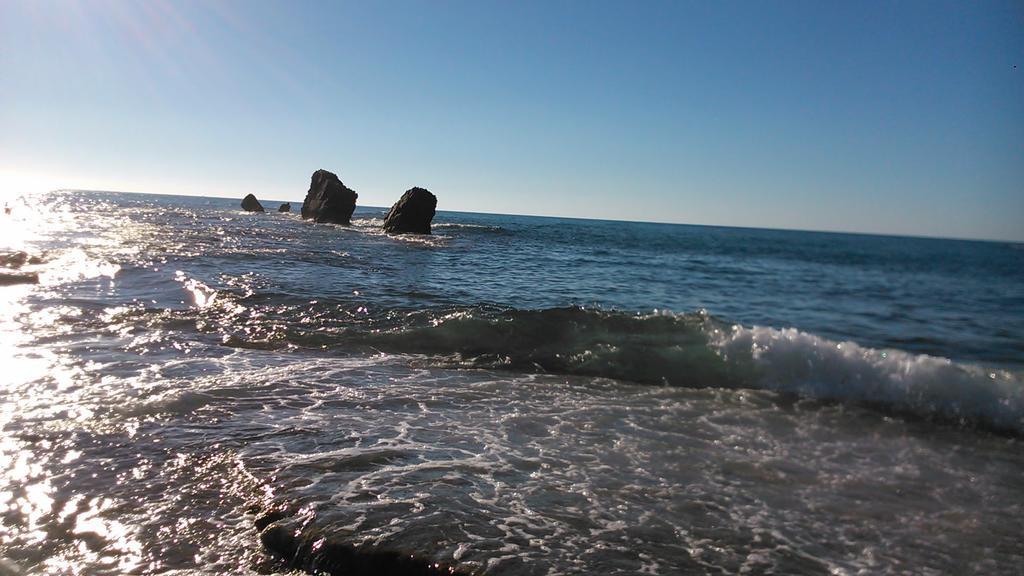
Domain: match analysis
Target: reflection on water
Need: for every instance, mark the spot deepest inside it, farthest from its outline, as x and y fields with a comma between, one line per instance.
x=182, y=365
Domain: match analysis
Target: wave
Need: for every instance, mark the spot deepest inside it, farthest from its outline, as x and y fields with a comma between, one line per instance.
x=650, y=349
x=373, y=227
x=699, y=351
x=789, y=360
x=468, y=227
x=693, y=350
x=368, y=222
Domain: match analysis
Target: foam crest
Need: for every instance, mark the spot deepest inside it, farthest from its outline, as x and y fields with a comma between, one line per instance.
x=467, y=227
x=789, y=360
x=75, y=265
x=698, y=351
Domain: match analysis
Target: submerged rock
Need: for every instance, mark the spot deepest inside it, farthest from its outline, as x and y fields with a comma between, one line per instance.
x=286, y=207
x=328, y=200
x=269, y=517
x=312, y=552
x=412, y=213
x=9, y=278
x=251, y=204
x=17, y=259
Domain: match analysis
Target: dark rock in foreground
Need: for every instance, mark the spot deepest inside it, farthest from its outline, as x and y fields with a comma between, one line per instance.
x=318, y=555
x=328, y=200
x=9, y=278
x=412, y=213
x=269, y=517
x=286, y=207
x=251, y=204
x=17, y=259
x=304, y=547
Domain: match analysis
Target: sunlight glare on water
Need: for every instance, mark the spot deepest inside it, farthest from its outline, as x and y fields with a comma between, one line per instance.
x=499, y=396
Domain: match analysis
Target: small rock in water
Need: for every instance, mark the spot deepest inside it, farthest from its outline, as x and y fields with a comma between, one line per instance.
x=412, y=213
x=328, y=199
x=286, y=207
x=251, y=204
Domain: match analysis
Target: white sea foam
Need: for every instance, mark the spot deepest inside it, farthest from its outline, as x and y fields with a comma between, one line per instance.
x=793, y=361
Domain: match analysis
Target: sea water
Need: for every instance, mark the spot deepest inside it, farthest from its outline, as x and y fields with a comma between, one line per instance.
x=510, y=395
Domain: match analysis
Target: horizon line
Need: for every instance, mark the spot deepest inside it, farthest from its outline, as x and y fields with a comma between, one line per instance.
x=555, y=216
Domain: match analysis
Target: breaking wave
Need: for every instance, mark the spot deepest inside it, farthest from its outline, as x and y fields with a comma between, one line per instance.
x=789, y=360
x=693, y=350
x=698, y=351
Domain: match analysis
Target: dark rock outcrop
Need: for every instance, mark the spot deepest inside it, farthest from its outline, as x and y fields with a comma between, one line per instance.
x=18, y=259
x=9, y=278
x=311, y=552
x=269, y=517
x=328, y=200
x=286, y=207
x=292, y=540
x=412, y=213
x=251, y=204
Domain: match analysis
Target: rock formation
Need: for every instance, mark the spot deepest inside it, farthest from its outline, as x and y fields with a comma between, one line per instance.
x=286, y=207
x=18, y=259
x=251, y=204
x=8, y=278
x=314, y=552
x=412, y=213
x=328, y=200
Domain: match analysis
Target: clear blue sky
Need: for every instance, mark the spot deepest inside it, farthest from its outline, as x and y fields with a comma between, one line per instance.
x=894, y=117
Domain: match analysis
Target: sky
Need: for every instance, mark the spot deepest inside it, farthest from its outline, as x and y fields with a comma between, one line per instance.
x=881, y=117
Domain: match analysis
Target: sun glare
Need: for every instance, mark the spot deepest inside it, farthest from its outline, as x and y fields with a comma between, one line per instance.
x=15, y=184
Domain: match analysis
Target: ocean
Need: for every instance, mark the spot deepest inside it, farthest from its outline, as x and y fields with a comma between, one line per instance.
x=193, y=389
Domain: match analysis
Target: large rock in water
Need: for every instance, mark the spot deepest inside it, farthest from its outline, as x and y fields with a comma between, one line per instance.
x=251, y=204
x=412, y=213
x=328, y=200
x=286, y=207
